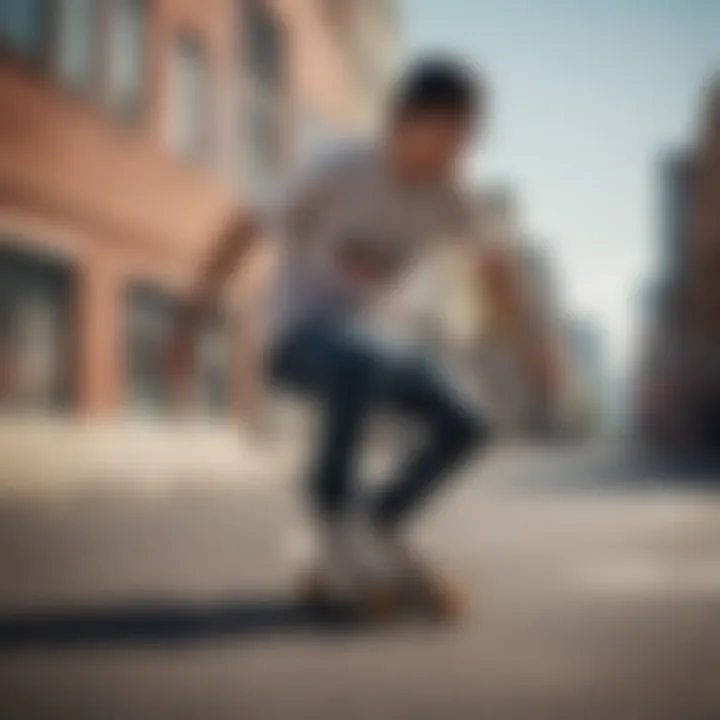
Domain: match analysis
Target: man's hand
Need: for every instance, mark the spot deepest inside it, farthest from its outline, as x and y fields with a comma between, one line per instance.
x=179, y=357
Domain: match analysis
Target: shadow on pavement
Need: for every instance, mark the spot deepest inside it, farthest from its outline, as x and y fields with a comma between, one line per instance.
x=160, y=624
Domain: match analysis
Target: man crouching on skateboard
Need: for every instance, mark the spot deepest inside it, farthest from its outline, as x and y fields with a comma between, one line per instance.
x=348, y=232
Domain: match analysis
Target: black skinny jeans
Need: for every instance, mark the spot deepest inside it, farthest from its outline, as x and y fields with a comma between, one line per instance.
x=352, y=376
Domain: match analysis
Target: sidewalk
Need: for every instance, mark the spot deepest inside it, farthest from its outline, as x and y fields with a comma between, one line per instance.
x=58, y=455
x=51, y=457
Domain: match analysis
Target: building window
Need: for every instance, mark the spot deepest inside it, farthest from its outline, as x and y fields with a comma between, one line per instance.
x=261, y=68
x=126, y=55
x=76, y=33
x=23, y=25
x=35, y=332
x=190, y=99
x=64, y=36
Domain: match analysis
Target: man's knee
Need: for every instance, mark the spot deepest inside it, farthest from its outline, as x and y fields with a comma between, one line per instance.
x=455, y=418
x=353, y=363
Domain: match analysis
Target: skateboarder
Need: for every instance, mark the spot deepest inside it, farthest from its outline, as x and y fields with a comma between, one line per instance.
x=348, y=231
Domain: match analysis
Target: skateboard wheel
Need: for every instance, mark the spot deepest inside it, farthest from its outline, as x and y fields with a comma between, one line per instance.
x=314, y=588
x=443, y=602
x=383, y=604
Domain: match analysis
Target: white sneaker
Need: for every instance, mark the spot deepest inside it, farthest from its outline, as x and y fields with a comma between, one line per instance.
x=420, y=585
x=332, y=559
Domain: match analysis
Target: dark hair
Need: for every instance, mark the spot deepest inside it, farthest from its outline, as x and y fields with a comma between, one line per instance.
x=439, y=86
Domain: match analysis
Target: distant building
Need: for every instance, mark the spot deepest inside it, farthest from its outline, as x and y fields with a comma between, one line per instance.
x=675, y=208
x=587, y=362
x=588, y=349
x=681, y=367
x=541, y=284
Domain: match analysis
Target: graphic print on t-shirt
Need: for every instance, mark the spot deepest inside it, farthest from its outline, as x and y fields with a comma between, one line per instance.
x=365, y=262
x=361, y=233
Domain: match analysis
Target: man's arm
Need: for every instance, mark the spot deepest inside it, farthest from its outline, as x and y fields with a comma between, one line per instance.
x=229, y=250
x=504, y=289
x=294, y=208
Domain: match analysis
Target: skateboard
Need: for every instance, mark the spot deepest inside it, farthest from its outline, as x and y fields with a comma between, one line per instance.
x=433, y=599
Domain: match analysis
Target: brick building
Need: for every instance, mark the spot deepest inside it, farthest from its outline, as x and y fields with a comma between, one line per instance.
x=682, y=356
x=129, y=129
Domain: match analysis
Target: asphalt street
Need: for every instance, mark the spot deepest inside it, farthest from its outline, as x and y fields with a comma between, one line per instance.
x=594, y=592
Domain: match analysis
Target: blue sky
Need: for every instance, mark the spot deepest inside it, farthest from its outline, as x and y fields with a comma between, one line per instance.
x=587, y=96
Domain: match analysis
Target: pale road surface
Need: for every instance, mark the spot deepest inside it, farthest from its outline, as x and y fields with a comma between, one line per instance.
x=593, y=595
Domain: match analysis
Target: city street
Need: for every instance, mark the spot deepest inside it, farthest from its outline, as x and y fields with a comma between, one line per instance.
x=236, y=234
x=594, y=593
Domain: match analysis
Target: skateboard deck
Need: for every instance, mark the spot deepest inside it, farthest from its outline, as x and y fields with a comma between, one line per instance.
x=437, y=601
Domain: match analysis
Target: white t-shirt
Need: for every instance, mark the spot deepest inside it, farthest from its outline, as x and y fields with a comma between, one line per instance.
x=349, y=206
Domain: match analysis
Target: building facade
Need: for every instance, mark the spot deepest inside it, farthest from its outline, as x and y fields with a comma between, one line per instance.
x=129, y=131
x=681, y=364
x=675, y=208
